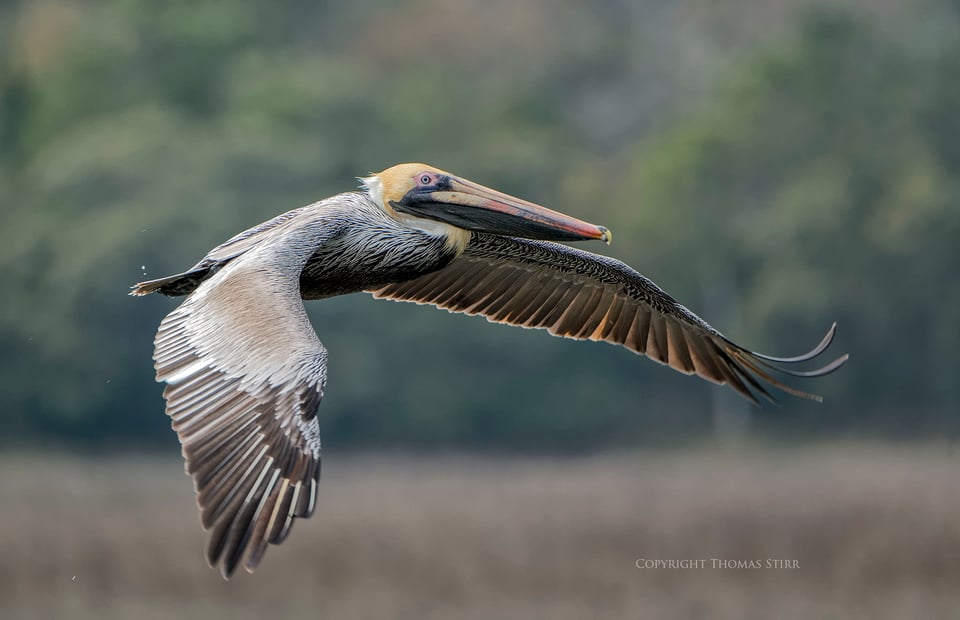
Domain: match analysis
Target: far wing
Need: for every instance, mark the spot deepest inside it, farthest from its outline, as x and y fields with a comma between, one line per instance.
x=245, y=374
x=577, y=294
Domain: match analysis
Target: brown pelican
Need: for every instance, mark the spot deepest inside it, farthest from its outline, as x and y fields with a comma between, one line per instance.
x=245, y=371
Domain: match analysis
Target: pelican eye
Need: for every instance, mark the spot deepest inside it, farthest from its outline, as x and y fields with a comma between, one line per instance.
x=426, y=179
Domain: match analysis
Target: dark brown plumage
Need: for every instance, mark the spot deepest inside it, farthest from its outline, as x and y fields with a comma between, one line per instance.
x=576, y=294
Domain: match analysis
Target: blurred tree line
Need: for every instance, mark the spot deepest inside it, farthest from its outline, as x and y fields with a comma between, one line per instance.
x=774, y=166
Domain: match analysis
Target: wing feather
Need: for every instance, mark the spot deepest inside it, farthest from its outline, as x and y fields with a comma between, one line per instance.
x=576, y=294
x=245, y=374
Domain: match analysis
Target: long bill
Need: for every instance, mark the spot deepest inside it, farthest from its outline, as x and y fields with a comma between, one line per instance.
x=472, y=206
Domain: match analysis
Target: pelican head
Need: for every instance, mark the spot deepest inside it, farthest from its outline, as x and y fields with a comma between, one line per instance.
x=422, y=191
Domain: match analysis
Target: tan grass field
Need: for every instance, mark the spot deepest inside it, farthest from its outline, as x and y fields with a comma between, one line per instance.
x=870, y=532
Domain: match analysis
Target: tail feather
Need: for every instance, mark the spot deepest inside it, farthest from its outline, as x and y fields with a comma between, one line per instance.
x=173, y=286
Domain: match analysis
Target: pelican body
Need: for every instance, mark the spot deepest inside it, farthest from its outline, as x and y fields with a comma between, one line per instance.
x=245, y=372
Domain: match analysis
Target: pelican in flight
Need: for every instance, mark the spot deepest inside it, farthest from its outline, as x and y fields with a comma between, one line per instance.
x=245, y=371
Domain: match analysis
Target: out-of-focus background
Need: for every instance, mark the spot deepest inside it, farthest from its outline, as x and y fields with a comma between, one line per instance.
x=775, y=165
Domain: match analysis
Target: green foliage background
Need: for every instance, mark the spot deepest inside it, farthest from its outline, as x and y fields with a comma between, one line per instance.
x=774, y=165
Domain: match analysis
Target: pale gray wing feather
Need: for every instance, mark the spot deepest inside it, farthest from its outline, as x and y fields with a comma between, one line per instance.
x=245, y=374
x=577, y=294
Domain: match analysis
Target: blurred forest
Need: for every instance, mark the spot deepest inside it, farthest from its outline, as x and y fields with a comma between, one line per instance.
x=774, y=165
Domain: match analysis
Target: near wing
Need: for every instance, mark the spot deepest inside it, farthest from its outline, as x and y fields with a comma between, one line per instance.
x=576, y=294
x=245, y=374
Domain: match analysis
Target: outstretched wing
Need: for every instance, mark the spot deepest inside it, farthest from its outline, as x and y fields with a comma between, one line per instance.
x=576, y=294
x=245, y=373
